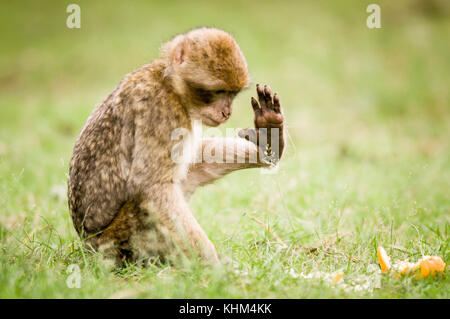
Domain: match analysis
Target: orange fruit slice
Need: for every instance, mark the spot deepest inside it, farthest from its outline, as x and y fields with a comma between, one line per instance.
x=429, y=265
x=383, y=259
x=338, y=277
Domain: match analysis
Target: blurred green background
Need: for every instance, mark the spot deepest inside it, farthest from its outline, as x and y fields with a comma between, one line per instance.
x=368, y=155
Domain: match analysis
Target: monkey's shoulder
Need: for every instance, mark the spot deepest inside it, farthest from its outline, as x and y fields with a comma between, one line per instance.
x=142, y=84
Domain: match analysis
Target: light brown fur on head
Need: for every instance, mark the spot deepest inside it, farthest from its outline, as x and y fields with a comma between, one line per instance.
x=206, y=56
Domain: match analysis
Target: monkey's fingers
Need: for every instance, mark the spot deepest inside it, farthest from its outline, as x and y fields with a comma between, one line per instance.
x=268, y=96
x=255, y=104
x=276, y=103
x=261, y=96
x=249, y=134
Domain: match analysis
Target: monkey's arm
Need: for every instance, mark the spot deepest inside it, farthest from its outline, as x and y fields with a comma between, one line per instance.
x=220, y=156
x=261, y=146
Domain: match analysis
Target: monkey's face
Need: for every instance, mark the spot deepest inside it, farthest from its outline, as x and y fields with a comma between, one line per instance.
x=206, y=69
x=213, y=107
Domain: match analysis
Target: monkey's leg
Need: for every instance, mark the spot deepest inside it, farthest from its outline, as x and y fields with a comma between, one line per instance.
x=173, y=217
x=155, y=227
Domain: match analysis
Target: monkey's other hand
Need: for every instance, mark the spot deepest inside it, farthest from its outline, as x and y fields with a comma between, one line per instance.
x=268, y=116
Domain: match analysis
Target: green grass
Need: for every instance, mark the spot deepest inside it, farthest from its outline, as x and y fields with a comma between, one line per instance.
x=368, y=155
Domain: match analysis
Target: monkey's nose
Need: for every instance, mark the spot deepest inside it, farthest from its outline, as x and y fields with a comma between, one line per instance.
x=226, y=114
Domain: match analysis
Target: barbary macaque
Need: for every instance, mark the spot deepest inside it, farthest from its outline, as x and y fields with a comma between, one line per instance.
x=128, y=197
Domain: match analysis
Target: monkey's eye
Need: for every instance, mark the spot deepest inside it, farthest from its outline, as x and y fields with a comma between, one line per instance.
x=218, y=92
x=204, y=95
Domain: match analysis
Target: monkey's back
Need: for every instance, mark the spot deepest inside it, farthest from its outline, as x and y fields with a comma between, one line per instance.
x=102, y=156
x=123, y=154
x=96, y=182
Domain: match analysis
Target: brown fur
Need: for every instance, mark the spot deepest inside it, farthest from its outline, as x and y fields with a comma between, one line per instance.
x=127, y=197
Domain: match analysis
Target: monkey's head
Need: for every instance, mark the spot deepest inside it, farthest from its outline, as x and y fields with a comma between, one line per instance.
x=206, y=69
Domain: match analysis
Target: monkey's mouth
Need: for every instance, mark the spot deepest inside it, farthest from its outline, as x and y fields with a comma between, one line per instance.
x=211, y=122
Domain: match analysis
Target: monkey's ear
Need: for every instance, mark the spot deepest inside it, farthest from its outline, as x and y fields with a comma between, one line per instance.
x=179, y=54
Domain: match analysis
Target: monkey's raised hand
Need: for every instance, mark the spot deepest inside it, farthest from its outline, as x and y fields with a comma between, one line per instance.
x=268, y=133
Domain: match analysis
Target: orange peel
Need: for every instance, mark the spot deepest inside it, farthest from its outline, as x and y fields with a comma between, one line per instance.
x=429, y=265
x=338, y=277
x=426, y=266
x=383, y=259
